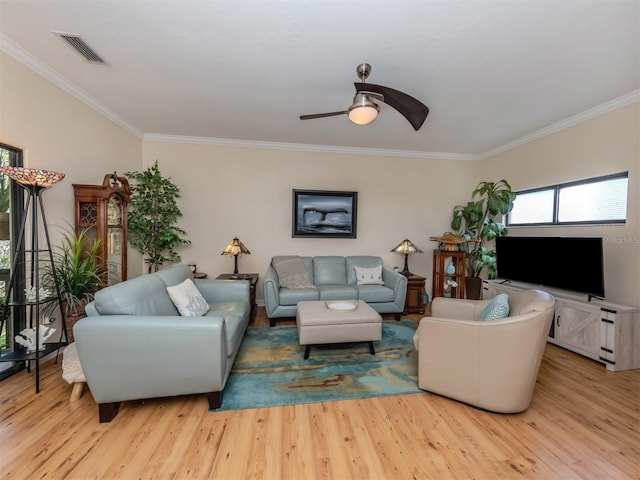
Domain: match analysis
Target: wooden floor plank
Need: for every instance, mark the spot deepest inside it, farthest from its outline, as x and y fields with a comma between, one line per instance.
x=584, y=422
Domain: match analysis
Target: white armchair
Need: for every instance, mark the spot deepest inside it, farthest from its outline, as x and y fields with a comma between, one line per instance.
x=491, y=364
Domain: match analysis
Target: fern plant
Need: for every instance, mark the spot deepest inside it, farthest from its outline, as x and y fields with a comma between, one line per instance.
x=152, y=217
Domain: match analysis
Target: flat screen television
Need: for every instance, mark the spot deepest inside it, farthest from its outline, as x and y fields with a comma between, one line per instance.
x=568, y=263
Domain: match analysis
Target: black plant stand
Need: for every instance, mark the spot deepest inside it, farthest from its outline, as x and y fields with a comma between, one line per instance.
x=30, y=256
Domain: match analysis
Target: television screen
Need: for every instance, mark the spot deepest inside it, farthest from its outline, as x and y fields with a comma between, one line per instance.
x=568, y=263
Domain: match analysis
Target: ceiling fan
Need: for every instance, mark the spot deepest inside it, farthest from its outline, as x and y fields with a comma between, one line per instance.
x=364, y=110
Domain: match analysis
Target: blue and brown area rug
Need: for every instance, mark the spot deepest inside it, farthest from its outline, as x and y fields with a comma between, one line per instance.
x=270, y=369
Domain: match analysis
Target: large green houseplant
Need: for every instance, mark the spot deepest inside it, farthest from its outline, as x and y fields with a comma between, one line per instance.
x=153, y=216
x=479, y=222
x=78, y=273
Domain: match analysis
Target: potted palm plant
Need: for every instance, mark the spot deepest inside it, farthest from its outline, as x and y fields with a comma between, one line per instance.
x=77, y=272
x=153, y=216
x=477, y=223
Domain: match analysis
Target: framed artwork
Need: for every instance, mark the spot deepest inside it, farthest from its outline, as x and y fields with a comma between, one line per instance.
x=324, y=214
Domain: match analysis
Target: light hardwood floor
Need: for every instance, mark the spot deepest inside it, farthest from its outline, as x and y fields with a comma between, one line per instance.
x=584, y=423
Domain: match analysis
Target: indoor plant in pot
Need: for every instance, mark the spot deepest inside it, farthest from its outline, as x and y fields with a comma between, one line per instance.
x=78, y=273
x=476, y=222
x=153, y=216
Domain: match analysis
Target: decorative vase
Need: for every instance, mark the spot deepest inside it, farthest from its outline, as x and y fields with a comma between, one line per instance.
x=450, y=269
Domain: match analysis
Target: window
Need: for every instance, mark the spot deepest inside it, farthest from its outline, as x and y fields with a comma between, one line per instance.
x=11, y=210
x=592, y=201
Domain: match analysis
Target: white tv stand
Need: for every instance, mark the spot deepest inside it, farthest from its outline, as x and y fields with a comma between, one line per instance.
x=606, y=332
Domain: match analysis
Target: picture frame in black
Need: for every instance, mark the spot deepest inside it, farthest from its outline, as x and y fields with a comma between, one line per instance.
x=324, y=214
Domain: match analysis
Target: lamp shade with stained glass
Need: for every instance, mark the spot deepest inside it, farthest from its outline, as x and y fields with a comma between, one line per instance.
x=406, y=248
x=235, y=248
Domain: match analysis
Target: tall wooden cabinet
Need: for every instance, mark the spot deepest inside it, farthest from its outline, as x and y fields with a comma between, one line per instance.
x=448, y=267
x=101, y=210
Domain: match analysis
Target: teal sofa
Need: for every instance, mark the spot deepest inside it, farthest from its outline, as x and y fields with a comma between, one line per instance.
x=135, y=345
x=334, y=278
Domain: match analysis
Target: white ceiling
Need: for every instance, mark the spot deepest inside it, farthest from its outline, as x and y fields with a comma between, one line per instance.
x=494, y=73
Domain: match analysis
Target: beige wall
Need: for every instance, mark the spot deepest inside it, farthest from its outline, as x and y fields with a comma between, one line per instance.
x=58, y=132
x=604, y=145
x=246, y=192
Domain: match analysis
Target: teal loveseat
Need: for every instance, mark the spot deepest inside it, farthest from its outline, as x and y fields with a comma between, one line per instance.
x=135, y=345
x=334, y=278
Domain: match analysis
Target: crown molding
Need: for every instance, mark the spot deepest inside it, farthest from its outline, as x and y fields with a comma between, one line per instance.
x=594, y=112
x=63, y=83
x=48, y=73
x=380, y=152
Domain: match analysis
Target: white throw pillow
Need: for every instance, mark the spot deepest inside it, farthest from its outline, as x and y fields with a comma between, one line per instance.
x=369, y=276
x=188, y=299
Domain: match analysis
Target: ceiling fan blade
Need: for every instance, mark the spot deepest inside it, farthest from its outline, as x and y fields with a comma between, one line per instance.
x=322, y=115
x=411, y=108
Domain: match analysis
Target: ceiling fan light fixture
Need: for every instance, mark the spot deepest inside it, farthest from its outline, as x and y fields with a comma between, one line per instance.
x=363, y=111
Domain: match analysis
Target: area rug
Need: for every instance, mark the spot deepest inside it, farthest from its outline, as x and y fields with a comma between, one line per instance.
x=270, y=369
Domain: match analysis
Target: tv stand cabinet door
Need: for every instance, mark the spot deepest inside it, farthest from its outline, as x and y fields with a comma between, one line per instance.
x=578, y=328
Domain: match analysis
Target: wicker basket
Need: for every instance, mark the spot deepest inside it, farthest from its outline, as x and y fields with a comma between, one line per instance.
x=70, y=320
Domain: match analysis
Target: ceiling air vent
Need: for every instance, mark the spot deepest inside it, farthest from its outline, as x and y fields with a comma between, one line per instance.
x=79, y=45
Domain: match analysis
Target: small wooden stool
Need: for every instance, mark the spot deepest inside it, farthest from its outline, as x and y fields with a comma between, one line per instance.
x=72, y=371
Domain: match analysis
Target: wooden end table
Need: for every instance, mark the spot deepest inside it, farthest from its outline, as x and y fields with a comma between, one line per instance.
x=414, y=302
x=252, y=278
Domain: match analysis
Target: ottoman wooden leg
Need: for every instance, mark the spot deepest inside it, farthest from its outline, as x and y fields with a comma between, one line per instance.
x=307, y=349
x=76, y=392
x=371, y=350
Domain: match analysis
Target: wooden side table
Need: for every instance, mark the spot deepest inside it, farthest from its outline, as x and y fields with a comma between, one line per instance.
x=414, y=301
x=253, y=281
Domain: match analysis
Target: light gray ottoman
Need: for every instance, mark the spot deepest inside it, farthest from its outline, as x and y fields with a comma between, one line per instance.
x=318, y=324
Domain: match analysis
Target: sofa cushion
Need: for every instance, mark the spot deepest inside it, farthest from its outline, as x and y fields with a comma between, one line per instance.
x=291, y=271
x=375, y=293
x=497, y=308
x=364, y=261
x=291, y=296
x=188, y=299
x=337, y=292
x=329, y=270
x=143, y=295
x=233, y=314
x=174, y=275
x=369, y=276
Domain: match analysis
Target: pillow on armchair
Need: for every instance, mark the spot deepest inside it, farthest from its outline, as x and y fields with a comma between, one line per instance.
x=497, y=308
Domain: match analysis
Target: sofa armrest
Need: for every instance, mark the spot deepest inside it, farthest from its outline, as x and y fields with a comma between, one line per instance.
x=398, y=283
x=457, y=308
x=215, y=291
x=126, y=357
x=271, y=289
x=90, y=309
